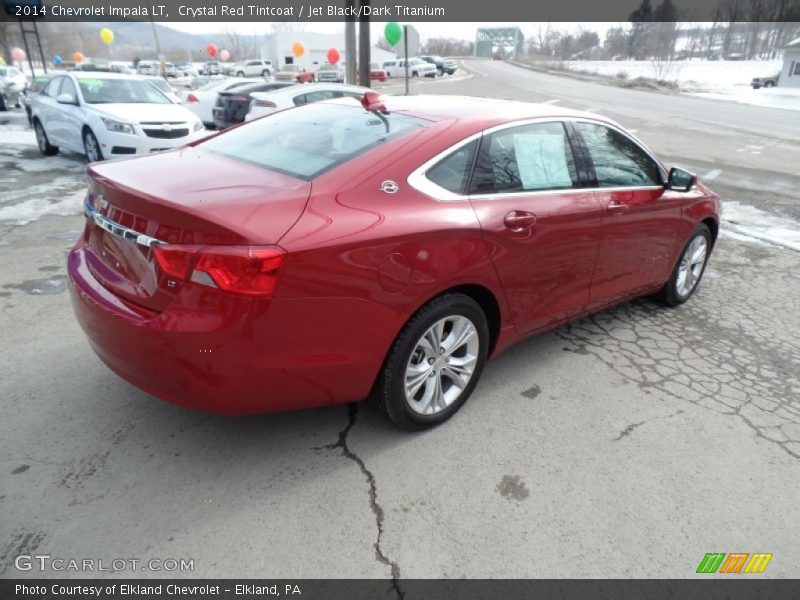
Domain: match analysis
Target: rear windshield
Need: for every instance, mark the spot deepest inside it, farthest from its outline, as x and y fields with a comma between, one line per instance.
x=307, y=141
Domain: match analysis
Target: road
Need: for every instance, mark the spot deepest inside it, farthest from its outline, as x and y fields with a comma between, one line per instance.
x=628, y=444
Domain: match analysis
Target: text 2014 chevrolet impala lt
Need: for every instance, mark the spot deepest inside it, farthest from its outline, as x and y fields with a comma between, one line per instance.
x=336, y=249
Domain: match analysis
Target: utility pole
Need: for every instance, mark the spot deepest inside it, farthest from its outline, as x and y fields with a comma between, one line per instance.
x=364, y=46
x=350, y=42
x=158, y=49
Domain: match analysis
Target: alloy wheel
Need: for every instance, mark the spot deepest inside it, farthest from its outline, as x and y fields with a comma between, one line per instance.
x=691, y=266
x=92, y=150
x=441, y=365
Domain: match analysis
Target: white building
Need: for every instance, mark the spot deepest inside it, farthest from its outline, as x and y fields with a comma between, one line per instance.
x=790, y=73
x=278, y=49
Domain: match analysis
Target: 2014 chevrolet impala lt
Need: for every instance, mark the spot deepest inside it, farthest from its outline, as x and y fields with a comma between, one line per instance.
x=385, y=247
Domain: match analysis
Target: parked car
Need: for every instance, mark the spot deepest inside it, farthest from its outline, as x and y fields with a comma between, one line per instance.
x=170, y=70
x=203, y=100
x=416, y=68
x=443, y=65
x=13, y=85
x=107, y=115
x=34, y=88
x=185, y=69
x=92, y=68
x=124, y=68
x=264, y=103
x=232, y=106
x=767, y=82
x=376, y=73
x=385, y=246
x=148, y=68
x=212, y=67
x=165, y=88
x=330, y=73
x=253, y=68
x=294, y=73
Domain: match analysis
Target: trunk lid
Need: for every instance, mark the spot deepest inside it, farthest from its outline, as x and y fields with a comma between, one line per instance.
x=186, y=196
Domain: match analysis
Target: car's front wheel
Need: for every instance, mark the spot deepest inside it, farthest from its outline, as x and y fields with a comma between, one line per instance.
x=240, y=73
x=91, y=147
x=687, y=273
x=435, y=362
x=42, y=141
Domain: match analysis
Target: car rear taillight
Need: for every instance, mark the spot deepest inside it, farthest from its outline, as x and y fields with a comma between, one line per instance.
x=192, y=99
x=264, y=103
x=249, y=270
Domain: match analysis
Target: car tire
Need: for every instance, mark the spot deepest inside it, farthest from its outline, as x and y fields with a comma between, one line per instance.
x=436, y=396
x=689, y=269
x=769, y=84
x=3, y=103
x=240, y=73
x=41, y=139
x=91, y=147
x=265, y=73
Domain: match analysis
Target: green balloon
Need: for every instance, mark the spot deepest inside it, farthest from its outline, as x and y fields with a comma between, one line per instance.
x=393, y=32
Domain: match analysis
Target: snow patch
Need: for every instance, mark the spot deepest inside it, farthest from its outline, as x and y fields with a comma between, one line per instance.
x=34, y=209
x=748, y=223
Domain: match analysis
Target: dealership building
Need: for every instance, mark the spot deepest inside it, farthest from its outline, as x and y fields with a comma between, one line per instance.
x=278, y=49
x=790, y=73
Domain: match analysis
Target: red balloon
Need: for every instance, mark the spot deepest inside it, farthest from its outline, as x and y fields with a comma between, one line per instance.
x=211, y=49
x=333, y=56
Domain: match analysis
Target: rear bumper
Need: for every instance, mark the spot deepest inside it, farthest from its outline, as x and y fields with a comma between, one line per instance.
x=232, y=355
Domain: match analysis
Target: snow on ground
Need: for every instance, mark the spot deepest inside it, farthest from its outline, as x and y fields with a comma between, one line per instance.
x=34, y=209
x=748, y=223
x=720, y=80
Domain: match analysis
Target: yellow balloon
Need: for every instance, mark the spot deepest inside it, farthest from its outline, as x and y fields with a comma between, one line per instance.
x=106, y=35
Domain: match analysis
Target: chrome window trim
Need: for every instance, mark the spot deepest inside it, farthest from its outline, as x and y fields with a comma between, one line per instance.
x=118, y=230
x=417, y=178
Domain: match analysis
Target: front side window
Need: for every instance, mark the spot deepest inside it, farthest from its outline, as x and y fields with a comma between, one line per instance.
x=307, y=141
x=69, y=88
x=525, y=158
x=797, y=68
x=452, y=172
x=618, y=160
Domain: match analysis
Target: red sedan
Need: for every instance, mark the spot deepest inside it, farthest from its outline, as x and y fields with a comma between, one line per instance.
x=295, y=74
x=344, y=248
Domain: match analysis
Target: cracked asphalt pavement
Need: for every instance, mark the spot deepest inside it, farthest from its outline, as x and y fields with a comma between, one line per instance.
x=626, y=444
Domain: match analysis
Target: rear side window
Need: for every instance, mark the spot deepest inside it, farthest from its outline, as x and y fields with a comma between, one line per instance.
x=307, y=141
x=618, y=160
x=452, y=172
x=312, y=97
x=526, y=158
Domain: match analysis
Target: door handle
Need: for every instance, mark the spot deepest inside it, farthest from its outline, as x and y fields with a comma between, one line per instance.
x=618, y=208
x=519, y=220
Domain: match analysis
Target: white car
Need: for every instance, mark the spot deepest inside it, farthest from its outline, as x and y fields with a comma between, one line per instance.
x=165, y=88
x=148, y=67
x=253, y=68
x=264, y=103
x=203, y=100
x=416, y=68
x=107, y=115
x=12, y=84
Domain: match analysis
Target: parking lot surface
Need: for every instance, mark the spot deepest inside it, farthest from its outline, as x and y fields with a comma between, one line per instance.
x=627, y=444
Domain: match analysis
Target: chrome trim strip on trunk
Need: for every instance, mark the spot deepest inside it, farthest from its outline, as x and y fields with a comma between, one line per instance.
x=118, y=230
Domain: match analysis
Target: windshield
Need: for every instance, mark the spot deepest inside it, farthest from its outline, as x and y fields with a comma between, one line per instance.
x=305, y=142
x=120, y=91
x=160, y=84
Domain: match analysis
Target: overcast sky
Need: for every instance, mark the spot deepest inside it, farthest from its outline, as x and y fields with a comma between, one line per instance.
x=464, y=31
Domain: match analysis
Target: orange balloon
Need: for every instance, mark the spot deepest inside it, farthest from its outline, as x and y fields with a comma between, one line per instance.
x=298, y=49
x=77, y=57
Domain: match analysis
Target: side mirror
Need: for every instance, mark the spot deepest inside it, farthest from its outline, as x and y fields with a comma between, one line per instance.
x=681, y=180
x=65, y=99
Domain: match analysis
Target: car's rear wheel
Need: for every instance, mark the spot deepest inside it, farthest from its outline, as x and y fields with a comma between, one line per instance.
x=769, y=84
x=3, y=102
x=42, y=141
x=265, y=73
x=435, y=363
x=687, y=273
x=91, y=147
